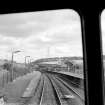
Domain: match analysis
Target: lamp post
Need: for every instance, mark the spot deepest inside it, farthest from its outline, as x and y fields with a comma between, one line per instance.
x=26, y=60
x=12, y=61
x=30, y=64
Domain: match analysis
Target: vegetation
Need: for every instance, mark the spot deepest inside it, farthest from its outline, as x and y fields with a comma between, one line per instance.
x=7, y=66
x=18, y=69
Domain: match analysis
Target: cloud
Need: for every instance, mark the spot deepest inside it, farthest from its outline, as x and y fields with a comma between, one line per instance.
x=34, y=32
x=65, y=50
x=7, y=40
x=58, y=34
x=23, y=24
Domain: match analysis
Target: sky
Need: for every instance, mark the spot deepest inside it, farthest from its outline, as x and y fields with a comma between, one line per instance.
x=41, y=34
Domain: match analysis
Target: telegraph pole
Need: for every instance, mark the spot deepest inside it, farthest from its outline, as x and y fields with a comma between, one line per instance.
x=12, y=61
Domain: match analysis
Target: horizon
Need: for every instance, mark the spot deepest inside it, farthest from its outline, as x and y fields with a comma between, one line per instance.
x=45, y=58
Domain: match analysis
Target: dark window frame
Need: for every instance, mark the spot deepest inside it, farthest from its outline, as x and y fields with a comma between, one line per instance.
x=92, y=48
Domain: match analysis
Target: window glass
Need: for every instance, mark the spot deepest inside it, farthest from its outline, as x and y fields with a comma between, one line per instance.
x=103, y=40
x=41, y=58
x=103, y=35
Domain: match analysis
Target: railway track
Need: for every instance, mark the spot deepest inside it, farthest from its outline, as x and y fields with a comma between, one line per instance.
x=73, y=83
x=78, y=92
x=53, y=89
x=36, y=99
x=44, y=95
x=67, y=96
x=48, y=96
x=59, y=94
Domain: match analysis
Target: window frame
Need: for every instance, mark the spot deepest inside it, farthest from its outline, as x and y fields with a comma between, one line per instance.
x=90, y=23
x=92, y=48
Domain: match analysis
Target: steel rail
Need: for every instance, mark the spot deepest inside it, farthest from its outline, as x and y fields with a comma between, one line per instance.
x=55, y=91
x=59, y=93
x=71, y=88
x=76, y=84
x=37, y=93
x=64, y=90
x=49, y=95
x=42, y=93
